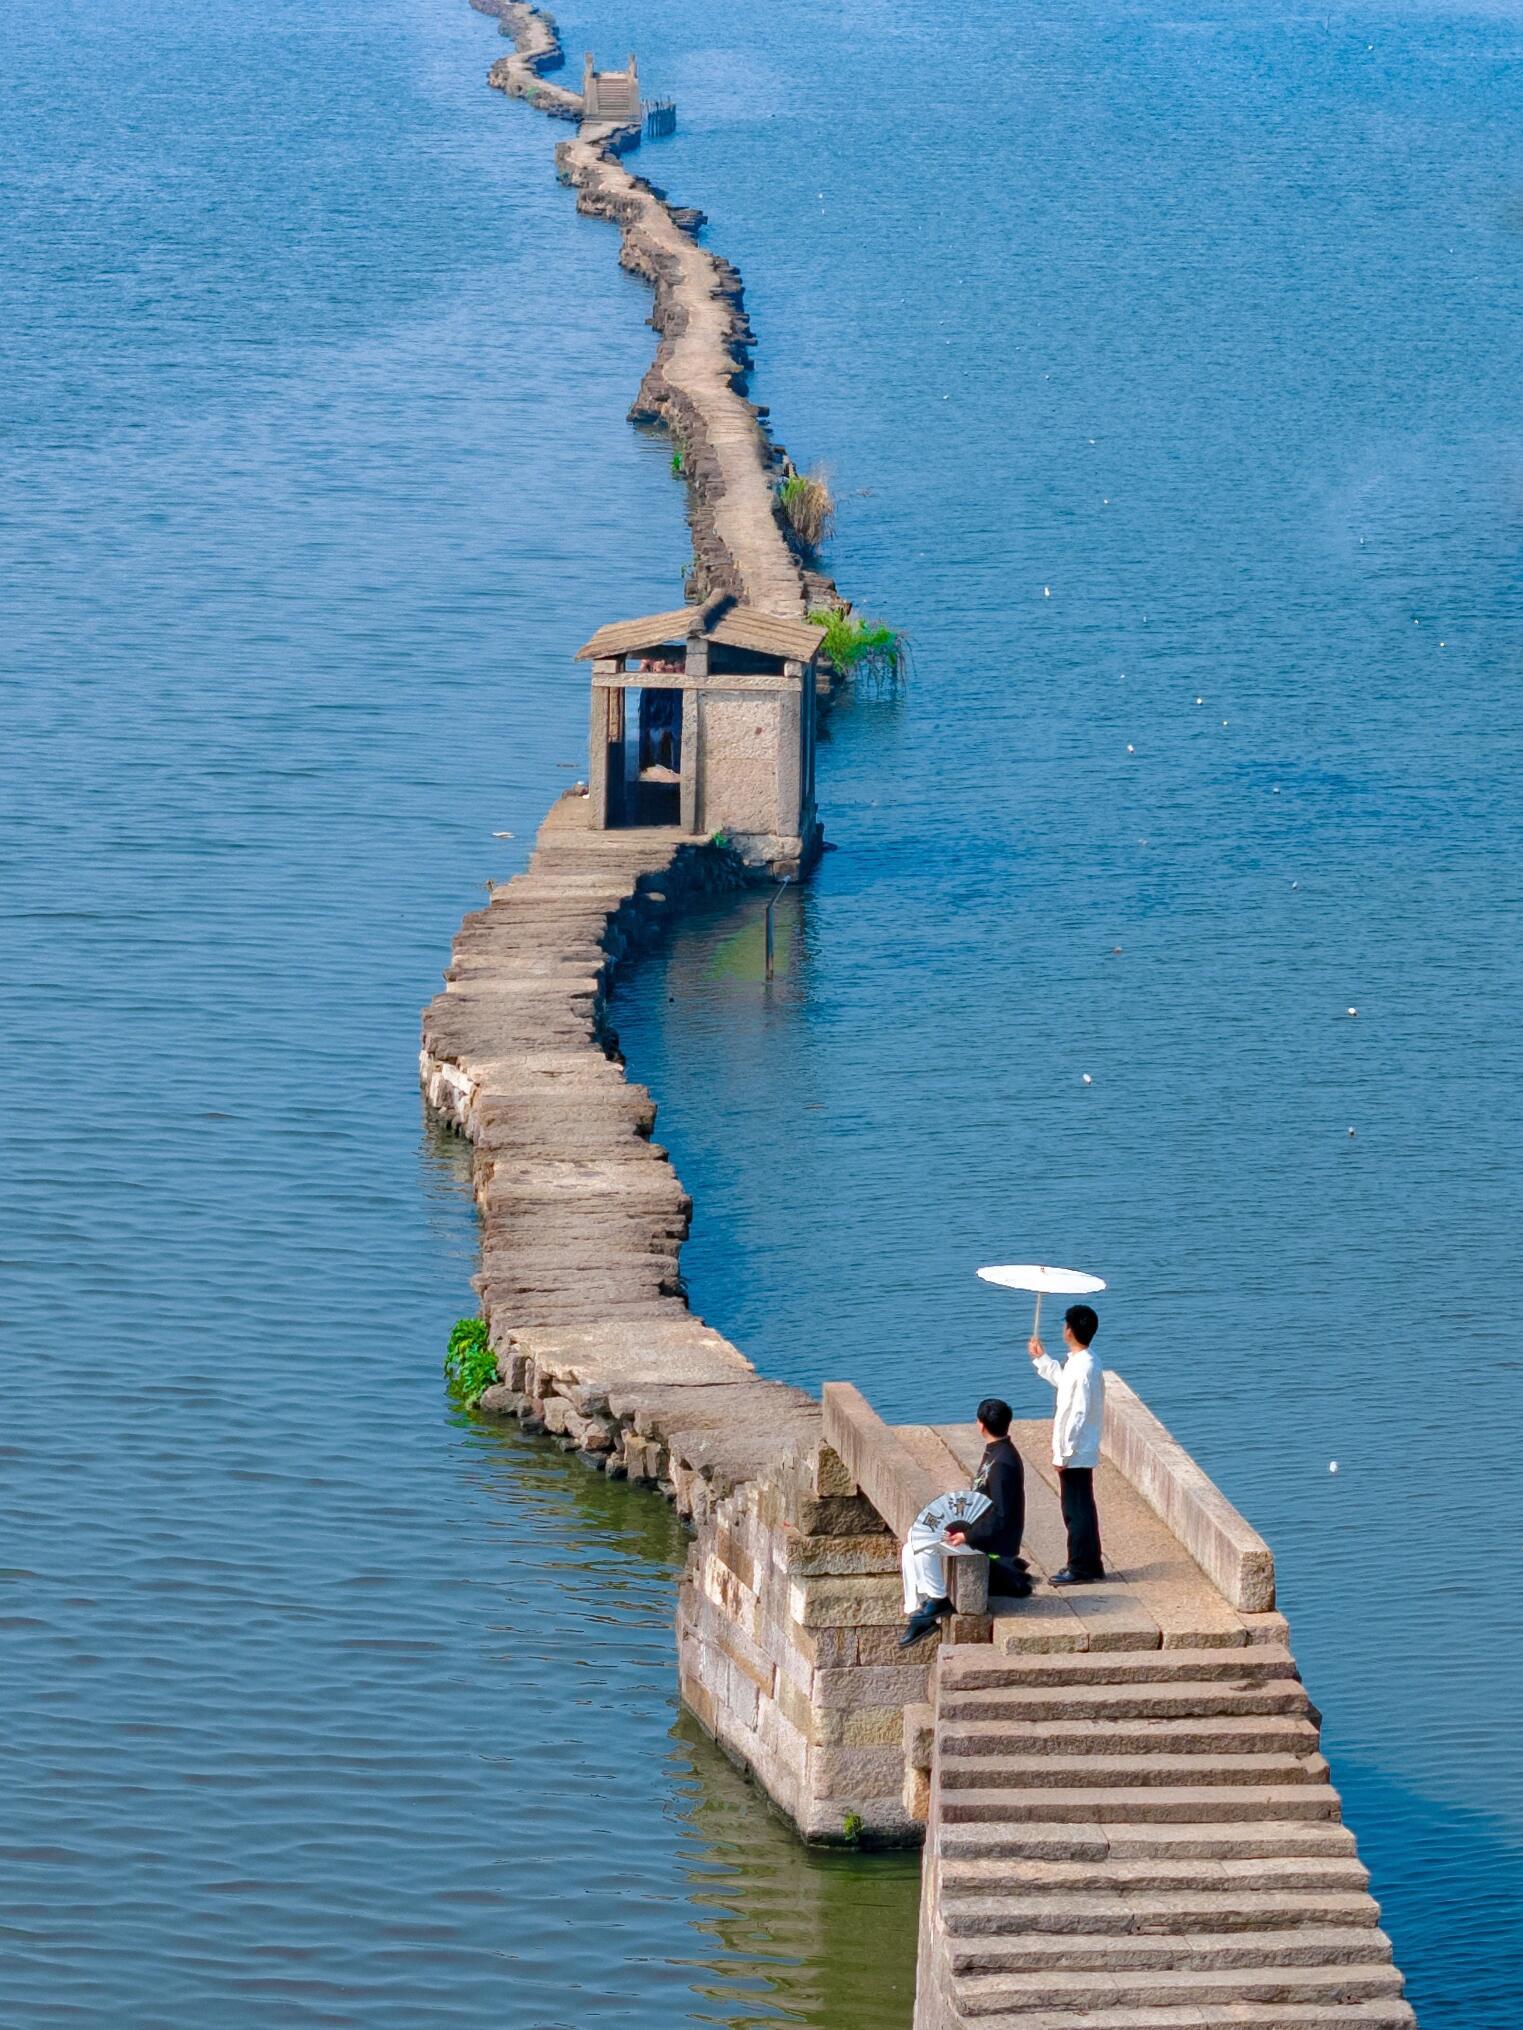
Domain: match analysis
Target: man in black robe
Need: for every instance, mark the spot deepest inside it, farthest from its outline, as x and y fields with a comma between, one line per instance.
x=996, y=1531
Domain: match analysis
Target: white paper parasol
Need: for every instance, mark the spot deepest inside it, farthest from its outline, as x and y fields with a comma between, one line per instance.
x=1038, y=1277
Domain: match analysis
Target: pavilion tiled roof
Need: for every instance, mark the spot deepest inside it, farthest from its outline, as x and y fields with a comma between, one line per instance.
x=720, y=620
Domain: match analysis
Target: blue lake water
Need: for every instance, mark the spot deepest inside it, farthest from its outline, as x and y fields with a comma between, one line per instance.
x=325, y=1705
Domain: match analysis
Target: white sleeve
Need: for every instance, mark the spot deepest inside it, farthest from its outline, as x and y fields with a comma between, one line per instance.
x=1072, y=1417
x=1049, y=1369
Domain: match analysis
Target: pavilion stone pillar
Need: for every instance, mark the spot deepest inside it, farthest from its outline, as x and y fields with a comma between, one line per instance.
x=791, y=759
x=696, y=674
x=605, y=744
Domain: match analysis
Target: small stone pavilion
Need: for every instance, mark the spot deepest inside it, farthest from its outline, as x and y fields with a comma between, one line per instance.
x=703, y=720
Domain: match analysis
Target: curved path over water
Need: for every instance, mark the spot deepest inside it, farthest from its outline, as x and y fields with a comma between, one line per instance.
x=729, y=462
x=583, y=1216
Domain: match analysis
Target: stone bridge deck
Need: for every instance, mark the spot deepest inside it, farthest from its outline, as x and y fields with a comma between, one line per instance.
x=1129, y=1822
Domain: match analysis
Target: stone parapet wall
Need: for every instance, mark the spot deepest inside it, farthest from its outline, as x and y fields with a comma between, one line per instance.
x=1223, y=1543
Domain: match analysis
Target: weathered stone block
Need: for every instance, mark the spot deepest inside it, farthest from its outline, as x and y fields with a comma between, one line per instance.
x=794, y=1705
x=1268, y=1627
x=916, y=1794
x=968, y=1581
x=919, y=1735
x=879, y=1645
x=846, y=1603
x=746, y=1656
x=830, y=1474
x=823, y=1648
x=837, y=1515
x=1222, y=1543
x=885, y=1684
x=821, y=1819
x=767, y=1503
x=737, y=1602
x=783, y=1757
x=891, y=1477
x=840, y=1557
x=498, y=1400
x=730, y=1550
x=643, y=1457
x=860, y=1726
x=698, y=1699
x=790, y=1660
x=859, y=1772
x=559, y=1416
x=743, y=1696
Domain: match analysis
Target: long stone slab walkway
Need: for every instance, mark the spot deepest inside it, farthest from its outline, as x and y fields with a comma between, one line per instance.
x=695, y=384
x=582, y=1213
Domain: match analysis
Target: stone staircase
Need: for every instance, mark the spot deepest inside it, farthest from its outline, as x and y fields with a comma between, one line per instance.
x=1142, y=1839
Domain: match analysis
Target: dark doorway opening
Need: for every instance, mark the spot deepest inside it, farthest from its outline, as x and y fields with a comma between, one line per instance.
x=653, y=759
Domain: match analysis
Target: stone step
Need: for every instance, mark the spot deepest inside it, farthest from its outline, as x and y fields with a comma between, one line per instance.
x=1212, y=1995
x=1252, y=1877
x=1177, y=1804
x=1236, y=1845
x=1170, y=1699
x=1114, y=1771
x=1387, y=2012
x=1228, y=1735
x=978, y=1666
x=1111, y=1913
x=1323, y=1947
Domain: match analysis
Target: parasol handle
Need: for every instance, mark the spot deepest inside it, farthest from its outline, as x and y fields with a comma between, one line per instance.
x=1036, y=1317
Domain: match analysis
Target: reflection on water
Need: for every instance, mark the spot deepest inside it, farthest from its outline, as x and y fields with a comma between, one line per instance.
x=800, y=1935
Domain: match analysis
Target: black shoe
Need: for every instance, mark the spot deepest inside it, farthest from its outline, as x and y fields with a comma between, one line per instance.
x=1068, y=1577
x=923, y=1621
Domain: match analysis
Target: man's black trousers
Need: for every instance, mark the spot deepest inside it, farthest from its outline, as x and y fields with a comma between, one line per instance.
x=1076, y=1485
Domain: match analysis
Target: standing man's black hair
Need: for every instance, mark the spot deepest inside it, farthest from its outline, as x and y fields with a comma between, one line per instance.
x=1083, y=1321
x=995, y=1416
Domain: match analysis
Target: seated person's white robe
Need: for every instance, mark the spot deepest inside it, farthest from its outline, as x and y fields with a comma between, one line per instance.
x=923, y=1561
